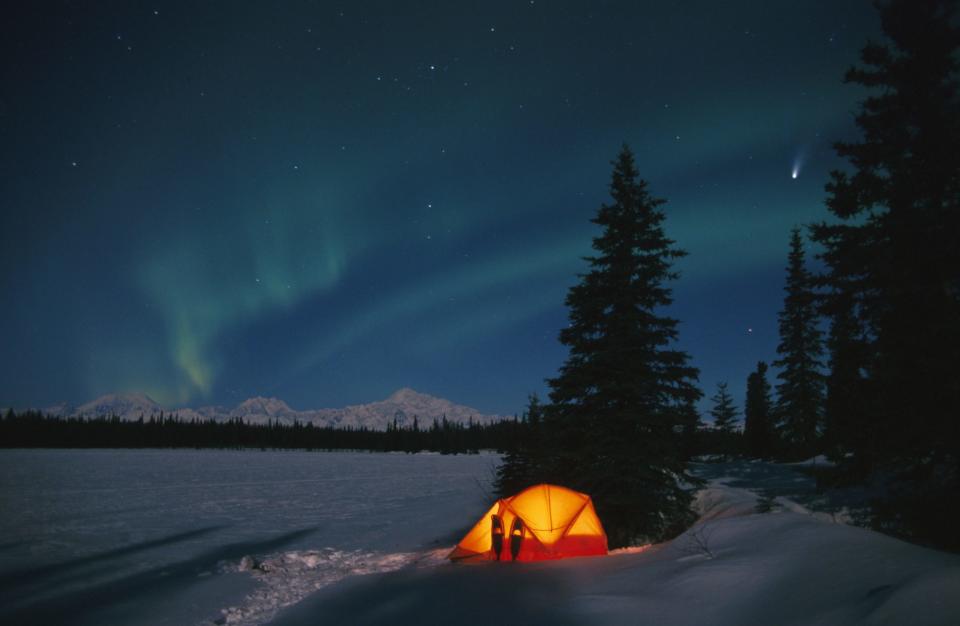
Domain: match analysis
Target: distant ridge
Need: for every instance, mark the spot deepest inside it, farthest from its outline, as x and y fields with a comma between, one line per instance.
x=402, y=406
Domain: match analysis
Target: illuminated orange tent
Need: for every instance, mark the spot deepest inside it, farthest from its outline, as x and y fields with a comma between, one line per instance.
x=539, y=523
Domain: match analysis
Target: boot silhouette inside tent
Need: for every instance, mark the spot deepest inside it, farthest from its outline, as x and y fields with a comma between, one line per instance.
x=539, y=523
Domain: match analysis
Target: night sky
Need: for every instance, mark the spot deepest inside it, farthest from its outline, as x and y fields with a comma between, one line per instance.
x=325, y=202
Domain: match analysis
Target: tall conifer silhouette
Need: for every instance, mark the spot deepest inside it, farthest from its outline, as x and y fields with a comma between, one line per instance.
x=624, y=393
x=800, y=391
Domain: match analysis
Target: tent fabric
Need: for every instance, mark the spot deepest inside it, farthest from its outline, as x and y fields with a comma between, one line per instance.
x=556, y=523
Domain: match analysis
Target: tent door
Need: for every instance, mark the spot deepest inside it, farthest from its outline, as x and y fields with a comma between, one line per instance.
x=496, y=532
x=516, y=537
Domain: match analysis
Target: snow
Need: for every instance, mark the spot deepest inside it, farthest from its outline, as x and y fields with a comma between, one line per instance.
x=268, y=407
x=735, y=566
x=815, y=461
x=291, y=538
x=158, y=536
x=131, y=404
x=288, y=578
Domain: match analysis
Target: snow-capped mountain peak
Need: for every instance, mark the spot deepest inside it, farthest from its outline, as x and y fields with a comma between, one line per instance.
x=405, y=404
x=262, y=406
x=406, y=394
x=401, y=407
x=127, y=405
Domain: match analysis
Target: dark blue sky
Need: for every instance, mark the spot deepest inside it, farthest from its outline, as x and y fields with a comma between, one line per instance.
x=325, y=202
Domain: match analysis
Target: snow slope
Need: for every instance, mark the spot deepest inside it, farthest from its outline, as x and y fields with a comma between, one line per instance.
x=734, y=567
x=131, y=405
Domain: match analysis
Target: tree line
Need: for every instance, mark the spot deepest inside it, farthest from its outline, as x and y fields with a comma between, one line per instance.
x=31, y=429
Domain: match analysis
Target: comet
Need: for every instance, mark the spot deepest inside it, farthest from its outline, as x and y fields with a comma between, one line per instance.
x=797, y=165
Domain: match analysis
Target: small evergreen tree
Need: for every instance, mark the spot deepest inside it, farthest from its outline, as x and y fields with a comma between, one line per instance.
x=617, y=403
x=723, y=412
x=522, y=464
x=758, y=432
x=800, y=391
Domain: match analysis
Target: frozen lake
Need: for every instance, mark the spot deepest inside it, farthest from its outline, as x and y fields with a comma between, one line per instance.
x=160, y=536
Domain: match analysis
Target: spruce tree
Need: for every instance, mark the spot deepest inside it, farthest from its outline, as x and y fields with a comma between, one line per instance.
x=895, y=251
x=723, y=412
x=523, y=462
x=800, y=391
x=892, y=251
x=618, y=401
x=758, y=432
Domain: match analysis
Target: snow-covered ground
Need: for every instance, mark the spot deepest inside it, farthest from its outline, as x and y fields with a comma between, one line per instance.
x=790, y=486
x=201, y=537
x=735, y=566
x=161, y=536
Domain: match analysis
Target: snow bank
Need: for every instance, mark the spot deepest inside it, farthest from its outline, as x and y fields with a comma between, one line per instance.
x=774, y=569
x=718, y=500
x=735, y=566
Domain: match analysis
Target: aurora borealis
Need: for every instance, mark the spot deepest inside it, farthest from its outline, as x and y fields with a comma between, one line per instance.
x=324, y=202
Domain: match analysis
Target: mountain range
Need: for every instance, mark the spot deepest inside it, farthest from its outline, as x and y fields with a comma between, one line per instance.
x=403, y=405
